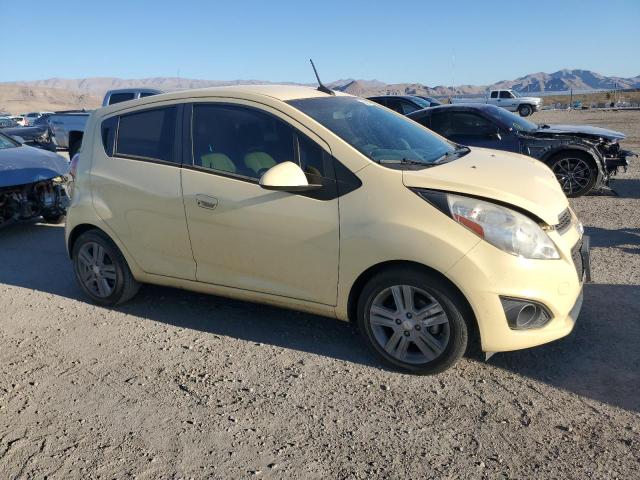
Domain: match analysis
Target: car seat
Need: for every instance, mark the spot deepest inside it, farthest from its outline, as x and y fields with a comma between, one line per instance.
x=218, y=161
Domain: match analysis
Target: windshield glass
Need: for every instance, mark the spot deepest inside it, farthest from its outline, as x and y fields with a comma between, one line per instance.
x=421, y=101
x=378, y=133
x=6, y=142
x=515, y=94
x=511, y=120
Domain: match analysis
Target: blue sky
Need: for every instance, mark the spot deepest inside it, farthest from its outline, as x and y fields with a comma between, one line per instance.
x=393, y=41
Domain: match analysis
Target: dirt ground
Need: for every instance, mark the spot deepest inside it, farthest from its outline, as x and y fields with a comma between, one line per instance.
x=180, y=385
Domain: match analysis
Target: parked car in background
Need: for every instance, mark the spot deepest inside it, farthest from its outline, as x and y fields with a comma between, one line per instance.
x=32, y=183
x=126, y=94
x=507, y=99
x=31, y=117
x=327, y=203
x=68, y=129
x=8, y=122
x=403, y=104
x=583, y=158
x=19, y=119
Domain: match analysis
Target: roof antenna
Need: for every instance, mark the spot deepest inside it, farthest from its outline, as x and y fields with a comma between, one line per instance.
x=321, y=87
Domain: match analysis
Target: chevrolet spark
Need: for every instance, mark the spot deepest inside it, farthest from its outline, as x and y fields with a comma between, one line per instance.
x=328, y=204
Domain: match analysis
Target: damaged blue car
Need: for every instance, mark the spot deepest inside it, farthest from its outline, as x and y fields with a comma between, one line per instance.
x=33, y=183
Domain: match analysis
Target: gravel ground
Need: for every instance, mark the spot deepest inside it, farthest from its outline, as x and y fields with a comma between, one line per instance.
x=182, y=385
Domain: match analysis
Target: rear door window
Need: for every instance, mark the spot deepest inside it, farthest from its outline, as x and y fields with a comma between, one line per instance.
x=148, y=134
x=494, y=94
x=470, y=125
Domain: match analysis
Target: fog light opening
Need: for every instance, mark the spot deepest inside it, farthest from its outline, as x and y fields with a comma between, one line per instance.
x=524, y=314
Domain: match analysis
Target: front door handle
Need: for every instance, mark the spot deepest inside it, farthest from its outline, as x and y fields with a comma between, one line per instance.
x=205, y=201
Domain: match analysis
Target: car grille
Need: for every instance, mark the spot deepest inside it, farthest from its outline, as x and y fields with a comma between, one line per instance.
x=576, y=256
x=564, y=222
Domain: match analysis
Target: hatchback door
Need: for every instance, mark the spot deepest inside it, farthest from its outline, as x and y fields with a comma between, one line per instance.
x=244, y=236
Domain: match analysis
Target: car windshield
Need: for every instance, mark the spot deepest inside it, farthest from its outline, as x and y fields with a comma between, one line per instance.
x=512, y=120
x=377, y=132
x=421, y=101
x=6, y=142
x=515, y=94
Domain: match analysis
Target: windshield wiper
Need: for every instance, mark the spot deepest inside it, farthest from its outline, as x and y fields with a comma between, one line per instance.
x=543, y=125
x=450, y=156
x=403, y=161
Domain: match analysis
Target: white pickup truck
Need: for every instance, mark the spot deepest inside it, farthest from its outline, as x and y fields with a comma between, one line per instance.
x=508, y=99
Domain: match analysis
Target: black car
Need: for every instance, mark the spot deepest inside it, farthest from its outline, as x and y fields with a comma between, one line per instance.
x=405, y=104
x=582, y=157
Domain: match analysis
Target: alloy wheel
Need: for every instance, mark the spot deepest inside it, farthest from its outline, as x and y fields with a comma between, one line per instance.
x=96, y=270
x=409, y=324
x=573, y=174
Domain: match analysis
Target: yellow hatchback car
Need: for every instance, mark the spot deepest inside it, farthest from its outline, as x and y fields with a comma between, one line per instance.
x=329, y=204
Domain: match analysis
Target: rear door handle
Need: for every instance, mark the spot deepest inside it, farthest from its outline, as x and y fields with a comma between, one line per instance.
x=205, y=201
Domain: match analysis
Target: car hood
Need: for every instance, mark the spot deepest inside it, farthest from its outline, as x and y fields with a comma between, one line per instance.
x=583, y=130
x=506, y=177
x=24, y=164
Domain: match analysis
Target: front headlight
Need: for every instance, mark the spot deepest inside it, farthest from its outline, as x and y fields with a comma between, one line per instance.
x=506, y=229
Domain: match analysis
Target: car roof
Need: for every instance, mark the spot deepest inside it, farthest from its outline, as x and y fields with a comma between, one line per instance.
x=248, y=92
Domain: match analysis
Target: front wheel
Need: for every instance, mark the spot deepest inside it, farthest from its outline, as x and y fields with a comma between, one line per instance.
x=525, y=110
x=413, y=321
x=575, y=172
x=101, y=269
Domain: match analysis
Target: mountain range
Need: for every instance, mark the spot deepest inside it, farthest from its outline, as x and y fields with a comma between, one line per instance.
x=87, y=92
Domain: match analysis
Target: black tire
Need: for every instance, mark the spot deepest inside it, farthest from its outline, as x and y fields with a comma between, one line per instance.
x=585, y=172
x=525, y=110
x=74, y=147
x=54, y=219
x=124, y=287
x=448, y=299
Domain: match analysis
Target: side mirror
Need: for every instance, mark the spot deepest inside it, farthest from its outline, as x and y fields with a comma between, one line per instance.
x=286, y=177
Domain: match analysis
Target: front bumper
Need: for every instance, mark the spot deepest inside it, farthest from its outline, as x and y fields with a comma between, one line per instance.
x=619, y=160
x=486, y=273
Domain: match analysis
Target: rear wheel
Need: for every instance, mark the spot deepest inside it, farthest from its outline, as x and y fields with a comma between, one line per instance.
x=575, y=172
x=525, y=110
x=413, y=321
x=101, y=269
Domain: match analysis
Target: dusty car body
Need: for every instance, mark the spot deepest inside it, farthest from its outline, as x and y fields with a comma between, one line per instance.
x=583, y=158
x=32, y=183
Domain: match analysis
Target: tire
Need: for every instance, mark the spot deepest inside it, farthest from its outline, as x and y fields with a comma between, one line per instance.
x=120, y=285
x=525, y=110
x=53, y=219
x=74, y=147
x=396, y=333
x=575, y=171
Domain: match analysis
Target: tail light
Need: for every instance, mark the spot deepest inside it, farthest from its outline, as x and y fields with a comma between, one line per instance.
x=73, y=166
